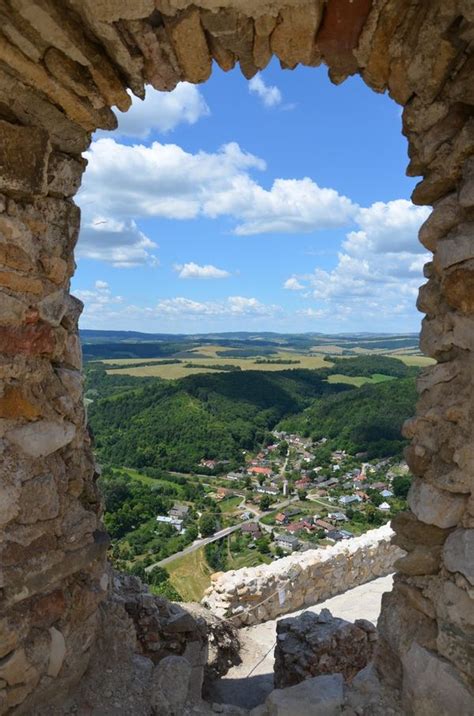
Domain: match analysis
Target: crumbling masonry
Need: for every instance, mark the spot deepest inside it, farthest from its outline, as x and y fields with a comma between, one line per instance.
x=63, y=65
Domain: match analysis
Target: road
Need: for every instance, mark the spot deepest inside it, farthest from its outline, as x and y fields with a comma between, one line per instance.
x=218, y=535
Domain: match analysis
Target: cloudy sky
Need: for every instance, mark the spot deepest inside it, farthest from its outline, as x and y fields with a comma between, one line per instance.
x=276, y=204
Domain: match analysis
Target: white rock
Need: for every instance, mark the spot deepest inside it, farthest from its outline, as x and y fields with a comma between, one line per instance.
x=435, y=507
x=319, y=696
x=431, y=685
x=42, y=437
x=458, y=553
x=57, y=652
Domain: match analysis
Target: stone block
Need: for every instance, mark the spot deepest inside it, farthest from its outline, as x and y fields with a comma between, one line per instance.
x=64, y=174
x=42, y=438
x=169, y=686
x=320, y=696
x=431, y=685
x=57, y=652
x=39, y=500
x=435, y=507
x=24, y=154
x=458, y=553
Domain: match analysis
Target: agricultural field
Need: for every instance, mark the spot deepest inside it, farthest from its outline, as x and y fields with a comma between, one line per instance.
x=206, y=364
x=358, y=380
x=190, y=575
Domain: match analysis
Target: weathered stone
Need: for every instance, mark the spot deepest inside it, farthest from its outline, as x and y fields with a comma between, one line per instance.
x=338, y=35
x=432, y=685
x=13, y=404
x=15, y=668
x=9, y=502
x=293, y=38
x=52, y=308
x=435, y=507
x=57, y=652
x=42, y=437
x=12, y=310
x=29, y=339
x=422, y=560
x=319, y=696
x=39, y=500
x=189, y=42
x=166, y=699
x=20, y=284
x=24, y=154
x=458, y=289
x=310, y=645
x=416, y=599
x=458, y=553
x=64, y=174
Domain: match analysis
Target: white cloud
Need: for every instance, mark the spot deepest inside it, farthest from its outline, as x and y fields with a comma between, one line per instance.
x=193, y=270
x=378, y=272
x=99, y=300
x=127, y=183
x=231, y=306
x=292, y=284
x=120, y=243
x=162, y=111
x=269, y=94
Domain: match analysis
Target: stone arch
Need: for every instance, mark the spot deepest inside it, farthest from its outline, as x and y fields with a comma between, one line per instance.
x=63, y=65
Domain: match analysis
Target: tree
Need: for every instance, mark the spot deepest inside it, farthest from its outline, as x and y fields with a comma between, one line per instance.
x=401, y=485
x=207, y=524
x=261, y=479
x=263, y=545
x=265, y=502
x=157, y=575
x=191, y=533
x=248, y=481
x=302, y=494
x=283, y=448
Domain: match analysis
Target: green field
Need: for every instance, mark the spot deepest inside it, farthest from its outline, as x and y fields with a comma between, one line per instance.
x=358, y=380
x=229, y=504
x=417, y=360
x=180, y=370
x=190, y=575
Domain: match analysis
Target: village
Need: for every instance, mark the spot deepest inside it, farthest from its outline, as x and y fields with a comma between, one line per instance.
x=295, y=495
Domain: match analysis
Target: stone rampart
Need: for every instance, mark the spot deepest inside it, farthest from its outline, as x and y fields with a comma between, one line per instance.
x=254, y=595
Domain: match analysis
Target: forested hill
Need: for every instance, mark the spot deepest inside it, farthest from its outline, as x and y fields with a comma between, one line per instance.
x=174, y=424
x=367, y=419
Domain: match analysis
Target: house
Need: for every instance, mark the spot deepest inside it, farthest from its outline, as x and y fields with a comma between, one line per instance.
x=346, y=534
x=179, y=512
x=281, y=519
x=210, y=464
x=291, y=512
x=234, y=476
x=379, y=486
x=167, y=520
x=268, y=490
x=295, y=527
x=363, y=495
x=246, y=516
x=258, y=470
x=384, y=507
x=302, y=484
x=386, y=493
x=338, y=517
x=349, y=499
x=322, y=525
x=252, y=529
x=287, y=542
x=335, y=535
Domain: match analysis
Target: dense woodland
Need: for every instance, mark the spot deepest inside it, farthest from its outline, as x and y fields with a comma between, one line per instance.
x=366, y=419
x=174, y=424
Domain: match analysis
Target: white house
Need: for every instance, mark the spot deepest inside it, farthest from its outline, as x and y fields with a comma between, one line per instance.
x=384, y=507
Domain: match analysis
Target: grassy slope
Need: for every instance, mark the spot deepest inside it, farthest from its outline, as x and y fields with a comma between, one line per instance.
x=190, y=575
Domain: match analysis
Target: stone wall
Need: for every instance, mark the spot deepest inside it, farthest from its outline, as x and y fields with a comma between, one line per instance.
x=63, y=65
x=254, y=595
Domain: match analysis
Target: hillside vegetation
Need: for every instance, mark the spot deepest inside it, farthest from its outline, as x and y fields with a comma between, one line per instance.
x=367, y=419
x=174, y=424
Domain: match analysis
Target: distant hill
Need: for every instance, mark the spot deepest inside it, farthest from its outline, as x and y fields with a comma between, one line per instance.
x=174, y=424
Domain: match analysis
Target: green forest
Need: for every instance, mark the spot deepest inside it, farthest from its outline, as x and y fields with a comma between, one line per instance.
x=366, y=419
x=174, y=424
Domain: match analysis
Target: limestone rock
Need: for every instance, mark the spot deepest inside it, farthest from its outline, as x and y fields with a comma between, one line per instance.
x=458, y=553
x=435, y=507
x=57, y=652
x=24, y=155
x=9, y=502
x=431, y=685
x=42, y=437
x=310, y=645
x=170, y=685
x=319, y=696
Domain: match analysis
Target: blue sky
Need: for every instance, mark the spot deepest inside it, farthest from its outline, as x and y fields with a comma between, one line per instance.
x=276, y=204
